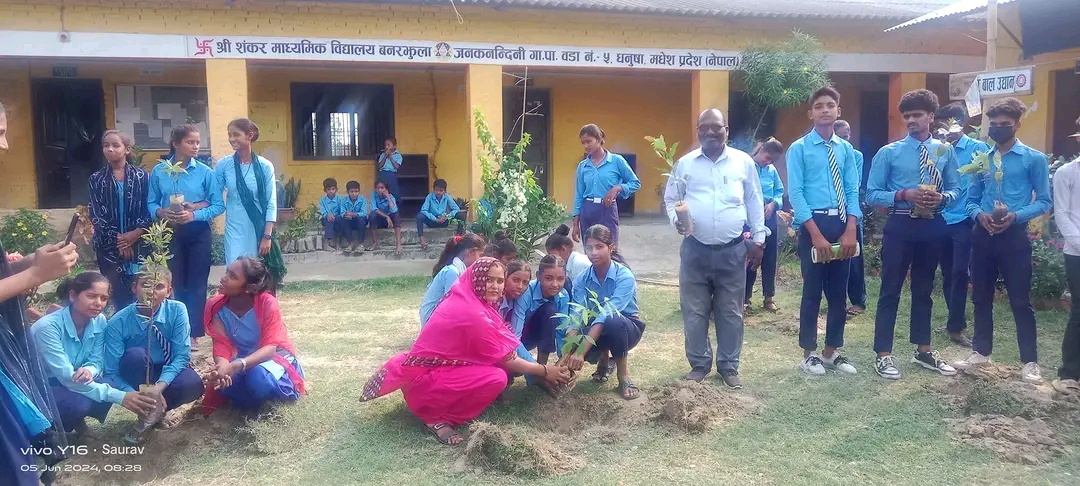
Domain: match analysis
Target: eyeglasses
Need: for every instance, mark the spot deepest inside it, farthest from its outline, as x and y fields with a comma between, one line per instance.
x=705, y=128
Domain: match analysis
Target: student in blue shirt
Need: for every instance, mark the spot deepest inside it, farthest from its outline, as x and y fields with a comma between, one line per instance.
x=190, y=247
x=438, y=209
x=165, y=326
x=856, y=286
x=502, y=248
x=956, y=245
x=534, y=318
x=71, y=343
x=460, y=252
x=517, y=281
x=601, y=177
x=389, y=163
x=618, y=327
x=772, y=190
x=1000, y=244
x=384, y=214
x=353, y=216
x=824, y=185
x=560, y=244
x=911, y=242
x=329, y=212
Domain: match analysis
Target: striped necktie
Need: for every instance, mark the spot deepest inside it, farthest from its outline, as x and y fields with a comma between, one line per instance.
x=166, y=347
x=838, y=183
x=507, y=312
x=928, y=172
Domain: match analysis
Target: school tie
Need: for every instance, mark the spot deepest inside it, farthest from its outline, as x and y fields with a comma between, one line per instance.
x=166, y=347
x=507, y=311
x=927, y=171
x=837, y=182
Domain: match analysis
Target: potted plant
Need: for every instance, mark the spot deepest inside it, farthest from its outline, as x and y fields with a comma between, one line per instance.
x=288, y=193
x=176, y=199
x=682, y=209
x=981, y=165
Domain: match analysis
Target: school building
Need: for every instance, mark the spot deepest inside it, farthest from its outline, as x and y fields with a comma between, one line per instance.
x=328, y=80
x=1038, y=44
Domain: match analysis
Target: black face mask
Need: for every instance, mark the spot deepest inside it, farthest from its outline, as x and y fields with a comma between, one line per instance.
x=1002, y=134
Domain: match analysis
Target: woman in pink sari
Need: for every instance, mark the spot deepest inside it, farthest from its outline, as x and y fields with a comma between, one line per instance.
x=458, y=365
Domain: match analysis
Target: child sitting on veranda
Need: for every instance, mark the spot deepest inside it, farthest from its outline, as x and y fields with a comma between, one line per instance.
x=384, y=214
x=353, y=217
x=329, y=211
x=438, y=209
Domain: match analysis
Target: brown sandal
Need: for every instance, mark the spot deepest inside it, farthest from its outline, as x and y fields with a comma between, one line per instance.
x=451, y=439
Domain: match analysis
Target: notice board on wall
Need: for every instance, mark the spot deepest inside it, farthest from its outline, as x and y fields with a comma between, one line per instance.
x=149, y=113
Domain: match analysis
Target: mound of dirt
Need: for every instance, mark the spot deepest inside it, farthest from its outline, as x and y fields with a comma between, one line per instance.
x=1016, y=440
x=514, y=452
x=698, y=407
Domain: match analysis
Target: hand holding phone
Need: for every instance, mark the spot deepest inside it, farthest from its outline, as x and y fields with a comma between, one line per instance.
x=71, y=228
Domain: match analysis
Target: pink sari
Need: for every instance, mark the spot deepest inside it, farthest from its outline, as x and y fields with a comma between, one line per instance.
x=452, y=373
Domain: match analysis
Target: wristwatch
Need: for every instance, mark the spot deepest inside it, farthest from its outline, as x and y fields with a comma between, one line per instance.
x=266, y=237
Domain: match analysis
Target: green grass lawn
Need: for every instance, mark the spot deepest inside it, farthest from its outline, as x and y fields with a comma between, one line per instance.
x=800, y=430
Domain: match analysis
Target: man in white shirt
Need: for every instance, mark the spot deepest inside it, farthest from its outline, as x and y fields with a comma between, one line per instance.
x=1067, y=216
x=721, y=187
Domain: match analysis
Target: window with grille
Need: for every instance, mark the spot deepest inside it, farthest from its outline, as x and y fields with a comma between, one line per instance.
x=341, y=121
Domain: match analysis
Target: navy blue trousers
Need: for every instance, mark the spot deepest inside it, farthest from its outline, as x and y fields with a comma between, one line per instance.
x=185, y=388
x=955, y=265
x=908, y=244
x=539, y=330
x=391, y=180
x=596, y=213
x=619, y=335
x=1007, y=254
x=14, y=463
x=74, y=408
x=379, y=222
x=190, y=267
x=829, y=278
x=768, y=264
x=348, y=226
x=856, y=286
x=251, y=388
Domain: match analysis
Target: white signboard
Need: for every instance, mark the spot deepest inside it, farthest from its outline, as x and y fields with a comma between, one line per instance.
x=1010, y=82
x=407, y=51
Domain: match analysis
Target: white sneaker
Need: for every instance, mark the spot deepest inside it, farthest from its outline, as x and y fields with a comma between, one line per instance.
x=839, y=364
x=972, y=361
x=812, y=365
x=1030, y=373
x=886, y=367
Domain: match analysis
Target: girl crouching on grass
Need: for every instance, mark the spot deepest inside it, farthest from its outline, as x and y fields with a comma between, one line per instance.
x=501, y=248
x=560, y=243
x=534, y=316
x=254, y=360
x=460, y=253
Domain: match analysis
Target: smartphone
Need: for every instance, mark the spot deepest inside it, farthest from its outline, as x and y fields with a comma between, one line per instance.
x=71, y=228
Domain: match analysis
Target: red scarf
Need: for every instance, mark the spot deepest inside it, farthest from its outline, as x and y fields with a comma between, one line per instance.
x=272, y=332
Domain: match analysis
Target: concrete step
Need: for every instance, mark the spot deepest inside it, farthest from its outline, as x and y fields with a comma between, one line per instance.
x=434, y=236
x=384, y=252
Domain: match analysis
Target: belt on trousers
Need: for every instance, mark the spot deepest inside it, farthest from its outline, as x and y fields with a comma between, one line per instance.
x=907, y=212
x=722, y=246
x=826, y=212
x=597, y=200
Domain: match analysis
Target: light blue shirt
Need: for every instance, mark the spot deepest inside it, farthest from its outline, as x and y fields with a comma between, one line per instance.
x=387, y=163
x=772, y=189
x=859, y=164
x=197, y=183
x=330, y=207
x=810, y=177
x=435, y=208
x=127, y=329
x=132, y=268
x=359, y=206
x=438, y=288
x=1025, y=171
x=965, y=149
x=896, y=168
x=595, y=181
x=384, y=203
x=241, y=237
x=531, y=300
x=618, y=291
x=63, y=352
x=29, y=414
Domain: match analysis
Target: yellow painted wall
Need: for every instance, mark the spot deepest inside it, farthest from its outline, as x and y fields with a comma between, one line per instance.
x=17, y=163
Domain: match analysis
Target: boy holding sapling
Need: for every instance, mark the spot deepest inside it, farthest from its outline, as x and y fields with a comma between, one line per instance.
x=915, y=178
x=1000, y=201
x=824, y=182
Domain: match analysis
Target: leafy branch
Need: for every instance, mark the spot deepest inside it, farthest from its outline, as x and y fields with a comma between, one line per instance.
x=580, y=317
x=783, y=74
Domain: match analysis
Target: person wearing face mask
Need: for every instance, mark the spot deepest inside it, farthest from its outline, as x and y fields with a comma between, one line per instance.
x=1001, y=245
x=900, y=175
x=956, y=244
x=720, y=185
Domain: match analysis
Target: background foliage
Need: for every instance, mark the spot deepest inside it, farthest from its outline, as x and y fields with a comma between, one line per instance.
x=25, y=231
x=779, y=75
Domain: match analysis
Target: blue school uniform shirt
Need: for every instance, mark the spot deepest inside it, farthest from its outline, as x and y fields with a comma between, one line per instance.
x=29, y=414
x=130, y=267
x=531, y=300
x=438, y=288
x=1025, y=171
x=618, y=292
x=772, y=189
x=197, y=184
x=64, y=352
x=383, y=203
x=387, y=163
x=330, y=207
x=127, y=329
x=435, y=208
x=595, y=181
x=348, y=205
x=964, y=149
x=810, y=179
x=896, y=167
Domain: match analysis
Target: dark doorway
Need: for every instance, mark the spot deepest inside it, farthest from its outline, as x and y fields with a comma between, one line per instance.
x=873, y=126
x=69, y=118
x=535, y=113
x=1066, y=113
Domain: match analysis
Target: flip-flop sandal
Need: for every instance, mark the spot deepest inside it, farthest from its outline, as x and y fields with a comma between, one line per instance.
x=600, y=376
x=854, y=311
x=627, y=385
x=445, y=440
x=1065, y=389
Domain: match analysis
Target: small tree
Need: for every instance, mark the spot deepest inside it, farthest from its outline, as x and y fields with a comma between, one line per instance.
x=176, y=199
x=782, y=75
x=682, y=210
x=516, y=203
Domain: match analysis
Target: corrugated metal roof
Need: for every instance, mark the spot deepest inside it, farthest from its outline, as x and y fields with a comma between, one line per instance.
x=822, y=9
x=958, y=8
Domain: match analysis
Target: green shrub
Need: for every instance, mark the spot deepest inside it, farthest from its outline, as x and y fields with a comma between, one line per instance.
x=25, y=231
x=217, y=249
x=1047, y=269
